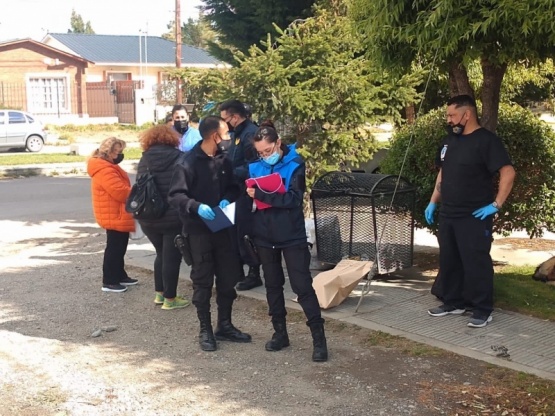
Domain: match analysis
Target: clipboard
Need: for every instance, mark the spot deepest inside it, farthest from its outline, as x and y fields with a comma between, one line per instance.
x=269, y=184
x=225, y=218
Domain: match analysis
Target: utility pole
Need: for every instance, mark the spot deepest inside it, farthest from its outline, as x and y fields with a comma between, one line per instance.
x=178, y=96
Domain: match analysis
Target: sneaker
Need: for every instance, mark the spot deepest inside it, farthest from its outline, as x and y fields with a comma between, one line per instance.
x=128, y=282
x=177, y=303
x=444, y=310
x=114, y=288
x=158, y=299
x=478, y=321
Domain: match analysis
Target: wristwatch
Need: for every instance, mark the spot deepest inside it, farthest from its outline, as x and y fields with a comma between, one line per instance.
x=496, y=205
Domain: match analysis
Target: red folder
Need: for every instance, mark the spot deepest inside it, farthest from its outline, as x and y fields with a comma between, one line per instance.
x=269, y=184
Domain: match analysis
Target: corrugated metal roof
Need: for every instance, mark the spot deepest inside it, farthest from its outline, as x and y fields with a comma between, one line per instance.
x=127, y=49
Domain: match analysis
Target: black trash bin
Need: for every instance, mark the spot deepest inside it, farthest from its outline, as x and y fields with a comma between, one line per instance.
x=366, y=217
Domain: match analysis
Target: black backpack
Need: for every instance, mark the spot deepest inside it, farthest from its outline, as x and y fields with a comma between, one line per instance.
x=144, y=201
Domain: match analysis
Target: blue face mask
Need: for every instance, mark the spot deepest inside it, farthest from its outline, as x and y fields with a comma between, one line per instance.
x=272, y=159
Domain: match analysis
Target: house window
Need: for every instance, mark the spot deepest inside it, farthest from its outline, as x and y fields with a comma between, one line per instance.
x=118, y=76
x=48, y=94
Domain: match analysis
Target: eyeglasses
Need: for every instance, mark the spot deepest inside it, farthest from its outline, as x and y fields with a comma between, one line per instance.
x=268, y=151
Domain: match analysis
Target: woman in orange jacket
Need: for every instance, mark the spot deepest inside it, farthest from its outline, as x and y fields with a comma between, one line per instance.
x=110, y=187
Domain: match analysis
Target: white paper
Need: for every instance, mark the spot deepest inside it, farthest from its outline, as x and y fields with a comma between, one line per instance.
x=229, y=212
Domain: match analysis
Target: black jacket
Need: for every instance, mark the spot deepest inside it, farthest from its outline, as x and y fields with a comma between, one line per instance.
x=281, y=225
x=242, y=150
x=161, y=160
x=200, y=179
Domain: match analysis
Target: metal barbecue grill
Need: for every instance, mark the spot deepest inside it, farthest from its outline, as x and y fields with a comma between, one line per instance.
x=364, y=216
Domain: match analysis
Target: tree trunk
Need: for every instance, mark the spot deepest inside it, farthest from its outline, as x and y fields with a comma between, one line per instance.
x=493, y=77
x=458, y=80
x=410, y=114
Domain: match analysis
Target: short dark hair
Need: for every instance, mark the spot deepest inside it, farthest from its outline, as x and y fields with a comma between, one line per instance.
x=248, y=110
x=179, y=107
x=234, y=107
x=209, y=125
x=267, y=131
x=462, y=100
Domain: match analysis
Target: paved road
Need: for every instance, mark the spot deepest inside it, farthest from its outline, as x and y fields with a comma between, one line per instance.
x=54, y=197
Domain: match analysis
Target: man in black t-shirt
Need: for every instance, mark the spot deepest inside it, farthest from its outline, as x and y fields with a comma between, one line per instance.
x=468, y=159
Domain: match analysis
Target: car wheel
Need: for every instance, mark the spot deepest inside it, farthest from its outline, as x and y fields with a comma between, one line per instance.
x=34, y=144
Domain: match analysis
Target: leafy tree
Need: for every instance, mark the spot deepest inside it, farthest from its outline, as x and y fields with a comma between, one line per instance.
x=531, y=146
x=195, y=33
x=314, y=80
x=239, y=24
x=529, y=84
x=78, y=26
x=400, y=32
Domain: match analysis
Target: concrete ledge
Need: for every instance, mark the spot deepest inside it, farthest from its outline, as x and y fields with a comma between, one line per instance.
x=82, y=149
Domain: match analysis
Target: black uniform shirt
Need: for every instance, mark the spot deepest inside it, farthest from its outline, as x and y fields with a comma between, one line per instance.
x=468, y=164
x=200, y=179
x=242, y=150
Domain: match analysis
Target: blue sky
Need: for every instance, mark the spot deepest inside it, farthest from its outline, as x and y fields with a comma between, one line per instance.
x=34, y=18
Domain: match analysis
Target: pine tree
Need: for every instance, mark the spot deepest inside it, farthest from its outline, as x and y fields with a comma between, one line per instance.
x=77, y=24
x=195, y=33
x=315, y=83
x=239, y=24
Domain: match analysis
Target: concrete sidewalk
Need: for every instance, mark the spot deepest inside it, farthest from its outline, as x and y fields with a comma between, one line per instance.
x=398, y=306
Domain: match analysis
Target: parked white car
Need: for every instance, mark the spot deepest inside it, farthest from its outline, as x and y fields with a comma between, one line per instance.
x=21, y=129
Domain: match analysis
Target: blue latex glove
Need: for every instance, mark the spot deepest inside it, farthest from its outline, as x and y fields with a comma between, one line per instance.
x=206, y=212
x=429, y=212
x=485, y=212
x=224, y=203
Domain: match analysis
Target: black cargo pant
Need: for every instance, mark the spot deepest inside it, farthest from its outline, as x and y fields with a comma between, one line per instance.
x=465, y=263
x=113, y=267
x=297, y=261
x=168, y=258
x=214, y=254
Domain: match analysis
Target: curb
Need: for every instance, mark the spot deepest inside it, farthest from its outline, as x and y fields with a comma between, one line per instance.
x=57, y=169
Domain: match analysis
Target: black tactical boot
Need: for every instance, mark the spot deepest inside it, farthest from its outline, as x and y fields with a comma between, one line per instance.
x=206, y=338
x=225, y=331
x=320, y=352
x=252, y=280
x=280, y=339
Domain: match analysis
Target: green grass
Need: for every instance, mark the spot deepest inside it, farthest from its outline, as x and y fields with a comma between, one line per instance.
x=515, y=290
x=97, y=128
x=131, y=153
